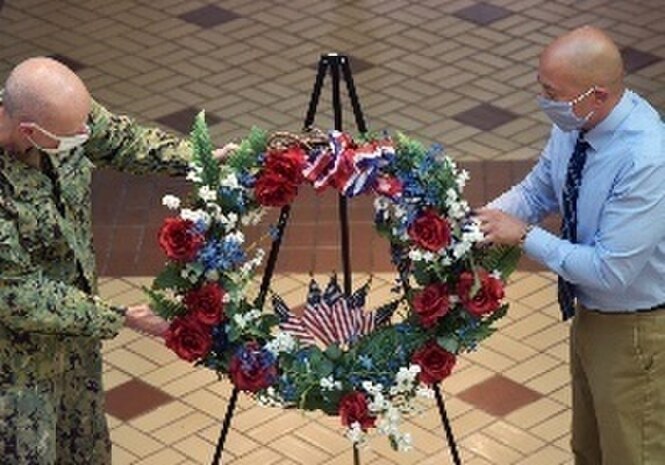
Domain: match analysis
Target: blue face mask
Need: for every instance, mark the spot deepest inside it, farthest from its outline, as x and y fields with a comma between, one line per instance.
x=562, y=114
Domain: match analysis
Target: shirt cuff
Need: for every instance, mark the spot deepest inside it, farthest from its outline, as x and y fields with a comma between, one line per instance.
x=541, y=245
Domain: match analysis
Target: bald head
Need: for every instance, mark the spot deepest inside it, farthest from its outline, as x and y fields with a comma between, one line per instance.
x=45, y=91
x=583, y=58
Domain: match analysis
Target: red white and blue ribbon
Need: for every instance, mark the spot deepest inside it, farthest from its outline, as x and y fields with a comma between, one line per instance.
x=347, y=166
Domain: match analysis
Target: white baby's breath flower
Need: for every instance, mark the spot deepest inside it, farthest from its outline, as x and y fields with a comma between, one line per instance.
x=195, y=216
x=404, y=442
x=355, y=434
x=171, y=202
x=329, y=384
x=282, y=342
x=230, y=181
x=207, y=194
x=425, y=392
x=415, y=255
x=462, y=178
x=460, y=249
x=253, y=217
x=237, y=236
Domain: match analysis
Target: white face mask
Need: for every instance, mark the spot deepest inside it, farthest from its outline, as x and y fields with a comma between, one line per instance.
x=562, y=114
x=65, y=143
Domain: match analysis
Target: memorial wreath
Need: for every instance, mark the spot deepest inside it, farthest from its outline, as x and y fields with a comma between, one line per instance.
x=368, y=367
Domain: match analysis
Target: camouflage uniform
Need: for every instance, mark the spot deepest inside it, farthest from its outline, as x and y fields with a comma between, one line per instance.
x=51, y=325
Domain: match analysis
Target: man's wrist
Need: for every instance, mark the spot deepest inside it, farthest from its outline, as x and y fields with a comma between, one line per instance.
x=527, y=229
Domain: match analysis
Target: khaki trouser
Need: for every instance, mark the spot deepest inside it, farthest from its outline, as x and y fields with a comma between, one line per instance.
x=618, y=380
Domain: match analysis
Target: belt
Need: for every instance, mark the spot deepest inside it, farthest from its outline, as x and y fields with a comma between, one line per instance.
x=655, y=308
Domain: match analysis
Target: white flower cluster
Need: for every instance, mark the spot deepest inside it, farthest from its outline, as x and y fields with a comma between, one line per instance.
x=249, y=266
x=356, y=435
x=229, y=180
x=207, y=194
x=253, y=217
x=171, y=202
x=194, y=173
x=242, y=320
x=330, y=384
x=405, y=379
x=269, y=398
x=282, y=342
x=389, y=425
x=197, y=216
x=390, y=414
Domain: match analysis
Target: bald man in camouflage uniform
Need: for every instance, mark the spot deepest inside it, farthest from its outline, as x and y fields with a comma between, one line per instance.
x=51, y=322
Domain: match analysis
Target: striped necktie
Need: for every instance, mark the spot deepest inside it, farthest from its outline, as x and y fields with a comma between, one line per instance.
x=571, y=190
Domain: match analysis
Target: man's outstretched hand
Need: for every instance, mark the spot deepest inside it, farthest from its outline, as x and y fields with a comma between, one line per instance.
x=222, y=154
x=141, y=318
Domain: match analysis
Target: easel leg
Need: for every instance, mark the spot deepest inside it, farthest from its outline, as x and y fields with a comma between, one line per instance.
x=225, y=427
x=452, y=445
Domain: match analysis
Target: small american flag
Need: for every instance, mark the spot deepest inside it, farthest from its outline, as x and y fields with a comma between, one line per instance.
x=290, y=322
x=330, y=317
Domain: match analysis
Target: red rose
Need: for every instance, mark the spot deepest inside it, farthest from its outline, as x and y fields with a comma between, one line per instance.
x=388, y=186
x=179, y=240
x=487, y=298
x=430, y=231
x=252, y=368
x=353, y=409
x=435, y=362
x=288, y=163
x=206, y=303
x=274, y=190
x=431, y=303
x=188, y=338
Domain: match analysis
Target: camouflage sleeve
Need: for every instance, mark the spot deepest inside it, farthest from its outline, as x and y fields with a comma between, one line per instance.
x=119, y=142
x=30, y=302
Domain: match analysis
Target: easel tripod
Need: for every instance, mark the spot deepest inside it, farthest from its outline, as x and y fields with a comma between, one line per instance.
x=339, y=68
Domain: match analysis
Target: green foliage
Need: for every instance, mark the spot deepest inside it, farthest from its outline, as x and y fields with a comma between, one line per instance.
x=170, y=278
x=162, y=305
x=203, y=148
x=503, y=259
x=245, y=156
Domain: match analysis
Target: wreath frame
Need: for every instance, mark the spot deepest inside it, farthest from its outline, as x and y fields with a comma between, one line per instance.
x=450, y=284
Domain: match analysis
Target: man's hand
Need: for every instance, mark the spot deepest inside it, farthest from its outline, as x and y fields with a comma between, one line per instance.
x=222, y=154
x=500, y=227
x=141, y=318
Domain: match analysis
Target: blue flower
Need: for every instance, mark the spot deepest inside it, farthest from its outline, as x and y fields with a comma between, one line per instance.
x=246, y=179
x=287, y=388
x=251, y=358
x=366, y=362
x=222, y=255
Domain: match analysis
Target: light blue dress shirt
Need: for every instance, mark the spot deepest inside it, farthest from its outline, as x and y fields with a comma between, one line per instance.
x=618, y=263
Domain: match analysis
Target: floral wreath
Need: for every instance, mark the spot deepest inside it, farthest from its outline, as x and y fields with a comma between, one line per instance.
x=335, y=357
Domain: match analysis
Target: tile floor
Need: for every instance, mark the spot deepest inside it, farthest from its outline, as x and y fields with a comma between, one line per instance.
x=458, y=72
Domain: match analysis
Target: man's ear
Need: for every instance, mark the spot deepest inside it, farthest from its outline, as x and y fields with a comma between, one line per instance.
x=25, y=129
x=600, y=95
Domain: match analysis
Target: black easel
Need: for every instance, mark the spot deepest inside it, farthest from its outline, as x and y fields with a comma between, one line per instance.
x=339, y=68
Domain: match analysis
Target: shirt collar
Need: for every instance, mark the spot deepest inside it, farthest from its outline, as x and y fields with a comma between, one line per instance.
x=603, y=132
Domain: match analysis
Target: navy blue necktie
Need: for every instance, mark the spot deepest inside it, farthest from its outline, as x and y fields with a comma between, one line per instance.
x=571, y=192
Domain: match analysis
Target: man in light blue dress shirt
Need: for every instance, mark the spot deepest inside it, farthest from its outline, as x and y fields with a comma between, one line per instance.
x=603, y=169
